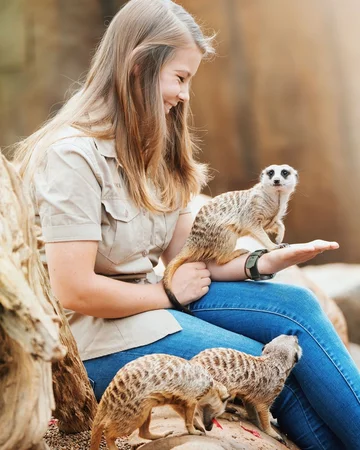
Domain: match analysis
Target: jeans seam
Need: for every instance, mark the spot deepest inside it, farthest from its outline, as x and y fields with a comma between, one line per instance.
x=295, y=321
x=307, y=421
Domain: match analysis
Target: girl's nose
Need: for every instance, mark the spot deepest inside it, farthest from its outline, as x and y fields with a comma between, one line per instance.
x=184, y=95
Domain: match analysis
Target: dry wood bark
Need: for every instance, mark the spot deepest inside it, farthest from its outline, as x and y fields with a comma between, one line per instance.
x=74, y=398
x=29, y=335
x=75, y=401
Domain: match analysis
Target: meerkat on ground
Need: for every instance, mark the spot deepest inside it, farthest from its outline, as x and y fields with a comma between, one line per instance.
x=256, y=380
x=229, y=216
x=156, y=380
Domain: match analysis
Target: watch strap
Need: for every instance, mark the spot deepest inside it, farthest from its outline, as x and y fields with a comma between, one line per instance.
x=251, y=266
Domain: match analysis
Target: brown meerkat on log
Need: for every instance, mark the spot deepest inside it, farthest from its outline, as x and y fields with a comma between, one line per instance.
x=256, y=380
x=156, y=380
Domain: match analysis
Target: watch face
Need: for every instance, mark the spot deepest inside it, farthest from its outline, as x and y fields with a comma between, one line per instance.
x=251, y=265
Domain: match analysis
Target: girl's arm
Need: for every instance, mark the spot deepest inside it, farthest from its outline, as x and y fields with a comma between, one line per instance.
x=200, y=275
x=78, y=287
x=271, y=262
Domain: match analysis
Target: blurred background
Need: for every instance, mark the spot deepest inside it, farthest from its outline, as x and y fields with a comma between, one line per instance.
x=284, y=88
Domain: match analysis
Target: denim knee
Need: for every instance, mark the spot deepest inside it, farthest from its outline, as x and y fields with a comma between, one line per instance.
x=299, y=301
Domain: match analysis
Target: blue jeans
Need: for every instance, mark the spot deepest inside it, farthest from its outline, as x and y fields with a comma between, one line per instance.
x=319, y=407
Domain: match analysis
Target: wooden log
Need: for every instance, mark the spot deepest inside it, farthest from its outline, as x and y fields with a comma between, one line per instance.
x=75, y=400
x=29, y=331
x=29, y=334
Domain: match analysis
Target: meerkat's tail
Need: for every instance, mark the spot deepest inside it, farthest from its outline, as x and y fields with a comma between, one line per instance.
x=96, y=434
x=171, y=268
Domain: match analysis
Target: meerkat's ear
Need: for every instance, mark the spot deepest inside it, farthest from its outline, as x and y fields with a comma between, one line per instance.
x=298, y=354
x=223, y=393
x=296, y=174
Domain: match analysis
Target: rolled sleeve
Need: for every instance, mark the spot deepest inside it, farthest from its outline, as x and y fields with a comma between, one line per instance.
x=68, y=194
x=185, y=210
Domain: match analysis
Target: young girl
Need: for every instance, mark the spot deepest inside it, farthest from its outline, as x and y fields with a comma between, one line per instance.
x=112, y=174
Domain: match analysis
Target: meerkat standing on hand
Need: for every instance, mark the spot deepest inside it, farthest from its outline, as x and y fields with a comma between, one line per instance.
x=256, y=380
x=156, y=380
x=229, y=216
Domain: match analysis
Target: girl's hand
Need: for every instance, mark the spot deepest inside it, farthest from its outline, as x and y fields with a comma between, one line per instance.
x=282, y=258
x=190, y=282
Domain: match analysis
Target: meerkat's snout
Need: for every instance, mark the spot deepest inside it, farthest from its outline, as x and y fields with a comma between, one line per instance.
x=213, y=405
x=207, y=419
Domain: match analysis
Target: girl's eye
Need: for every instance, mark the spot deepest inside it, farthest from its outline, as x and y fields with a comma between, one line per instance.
x=182, y=79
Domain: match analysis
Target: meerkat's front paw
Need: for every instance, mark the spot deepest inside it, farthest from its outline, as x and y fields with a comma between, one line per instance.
x=277, y=436
x=282, y=245
x=198, y=425
x=196, y=432
x=230, y=416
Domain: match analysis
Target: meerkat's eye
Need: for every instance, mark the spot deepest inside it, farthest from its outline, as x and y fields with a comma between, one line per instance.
x=285, y=173
x=271, y=173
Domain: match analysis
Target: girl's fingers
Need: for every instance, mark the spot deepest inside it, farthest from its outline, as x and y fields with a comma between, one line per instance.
x=206, y=281
x=205, y=273
x=318, y=244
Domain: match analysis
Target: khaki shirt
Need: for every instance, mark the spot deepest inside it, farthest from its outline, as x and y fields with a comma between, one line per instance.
x=81, y=195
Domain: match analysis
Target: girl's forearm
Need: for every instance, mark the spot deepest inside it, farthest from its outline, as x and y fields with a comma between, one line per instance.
x=235, y=269
x=231, y=271
x=110, y=299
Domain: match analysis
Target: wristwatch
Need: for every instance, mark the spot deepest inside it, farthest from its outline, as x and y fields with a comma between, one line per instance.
x=251, y=266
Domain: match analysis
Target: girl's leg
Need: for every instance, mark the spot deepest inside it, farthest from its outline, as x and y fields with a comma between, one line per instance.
x=300, y=421
x=326, y=373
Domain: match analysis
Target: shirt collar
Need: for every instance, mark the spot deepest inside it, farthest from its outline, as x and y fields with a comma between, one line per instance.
x=106, y=147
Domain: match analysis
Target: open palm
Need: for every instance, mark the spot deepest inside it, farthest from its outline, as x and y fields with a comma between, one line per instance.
x=282, y=258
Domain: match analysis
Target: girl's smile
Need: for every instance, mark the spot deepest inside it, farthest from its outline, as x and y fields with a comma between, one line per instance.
x=175, y=76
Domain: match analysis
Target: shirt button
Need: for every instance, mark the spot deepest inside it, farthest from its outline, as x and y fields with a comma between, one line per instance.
x=144, y=253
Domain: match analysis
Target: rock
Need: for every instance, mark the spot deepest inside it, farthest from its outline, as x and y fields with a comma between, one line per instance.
x=198, y=446
x=233, y=435
x=188, y=443
x=341, y=282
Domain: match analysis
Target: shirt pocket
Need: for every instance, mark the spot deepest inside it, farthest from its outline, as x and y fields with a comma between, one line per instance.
x=164, y=228
x=121, y=230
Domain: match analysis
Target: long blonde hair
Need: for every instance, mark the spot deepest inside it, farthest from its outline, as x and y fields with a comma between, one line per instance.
x=149, y=144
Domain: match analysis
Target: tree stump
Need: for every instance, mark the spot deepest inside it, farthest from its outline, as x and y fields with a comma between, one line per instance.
x=75, y=400
x=29, y=334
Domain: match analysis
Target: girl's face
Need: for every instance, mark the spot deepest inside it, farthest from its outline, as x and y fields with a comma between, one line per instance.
x=176, y=74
